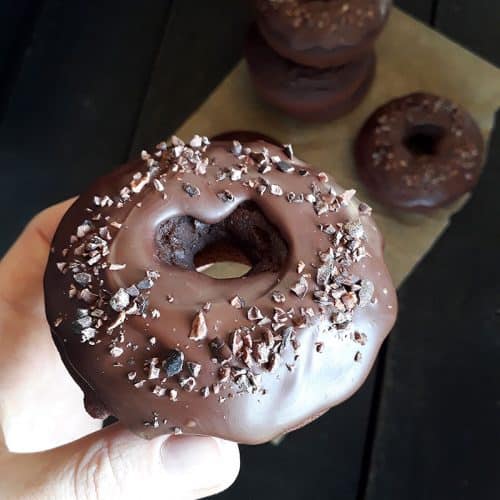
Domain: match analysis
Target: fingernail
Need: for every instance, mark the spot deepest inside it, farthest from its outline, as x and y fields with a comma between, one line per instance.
x=195, y=462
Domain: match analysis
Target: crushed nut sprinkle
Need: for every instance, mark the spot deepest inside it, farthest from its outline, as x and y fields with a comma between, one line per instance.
x=199, y=328
x=300, y=288
x=237, y=302
x=173, y=363
x=120, y=300
x=194, y=368
x=225, y=196
x=191, y=190
x=254, y=314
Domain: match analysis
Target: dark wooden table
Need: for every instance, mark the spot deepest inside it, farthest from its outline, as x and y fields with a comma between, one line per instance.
x=85, y=84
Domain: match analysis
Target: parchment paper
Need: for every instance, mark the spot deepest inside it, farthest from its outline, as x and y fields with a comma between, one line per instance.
x=411, y=57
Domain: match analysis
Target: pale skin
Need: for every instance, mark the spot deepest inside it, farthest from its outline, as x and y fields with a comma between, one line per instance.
x=49, y=446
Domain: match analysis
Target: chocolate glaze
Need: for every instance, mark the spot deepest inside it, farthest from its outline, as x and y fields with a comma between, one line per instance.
x=419, y=152
x=322, y=33
x=157, y=351
x=307, y=93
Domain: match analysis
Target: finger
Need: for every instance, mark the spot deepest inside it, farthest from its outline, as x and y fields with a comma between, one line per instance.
x=114, y=463
x=22, y=268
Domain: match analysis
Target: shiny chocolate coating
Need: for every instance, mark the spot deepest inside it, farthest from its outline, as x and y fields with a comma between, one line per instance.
x=322, y=33
x=419, y=152
x=166, y=349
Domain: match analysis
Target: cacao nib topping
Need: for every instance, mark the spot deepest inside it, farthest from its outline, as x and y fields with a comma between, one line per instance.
x=173, y=363
x=225, y=196
x=300, y=288
x=159, y=391
x=191, y=190
x=285, y=167
x=187, y=383
x=194, y=368
x=278, y=297
x=83, y=279
x=237, y=302
x=81, y=323
x=120, y=300
x=236, y=148
x=220, y=349
x=288, y=149
x=254, y=314
x=145, y=284
x=199, y=328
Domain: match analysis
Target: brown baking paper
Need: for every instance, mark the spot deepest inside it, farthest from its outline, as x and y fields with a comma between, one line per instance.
x=411, y=57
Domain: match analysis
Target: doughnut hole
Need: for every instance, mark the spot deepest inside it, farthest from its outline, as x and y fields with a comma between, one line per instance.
x=222, y=260
x=244, y=243
x=424, y=140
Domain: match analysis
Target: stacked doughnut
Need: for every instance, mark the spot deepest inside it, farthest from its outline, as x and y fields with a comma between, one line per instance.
x=314, y=59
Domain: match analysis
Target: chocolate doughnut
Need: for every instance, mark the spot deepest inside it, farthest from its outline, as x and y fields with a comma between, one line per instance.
x=322, y=33
x=419, y=152
x=305, y=93
x=167, y=349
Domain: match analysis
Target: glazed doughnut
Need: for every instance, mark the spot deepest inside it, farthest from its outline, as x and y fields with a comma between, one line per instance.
x=419, y=152
x=321, y=33
x=167, y=349
x=305, y=93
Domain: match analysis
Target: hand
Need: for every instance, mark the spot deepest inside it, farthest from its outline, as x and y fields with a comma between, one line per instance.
x=49, y=446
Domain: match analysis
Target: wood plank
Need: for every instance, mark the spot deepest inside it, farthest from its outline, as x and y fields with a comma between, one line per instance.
x=14, y=14
x=421, y=9
x=16, y=26
x=438, y=433
x=75, y=103
x=476, y=25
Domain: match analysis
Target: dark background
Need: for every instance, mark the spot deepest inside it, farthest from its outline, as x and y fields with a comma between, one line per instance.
x=85, y=84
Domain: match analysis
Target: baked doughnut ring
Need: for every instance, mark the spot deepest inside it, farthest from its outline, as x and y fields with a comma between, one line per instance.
x=167, y=349
x=322, y=33
x=306, y=93
x=419, y=152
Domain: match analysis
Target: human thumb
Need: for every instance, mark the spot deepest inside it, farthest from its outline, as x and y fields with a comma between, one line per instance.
x=114, y=463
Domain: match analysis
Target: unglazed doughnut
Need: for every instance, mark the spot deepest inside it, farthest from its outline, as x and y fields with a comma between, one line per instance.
x=306, y=93
x=167, y=349
x=419, y=152
x=322, y=33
